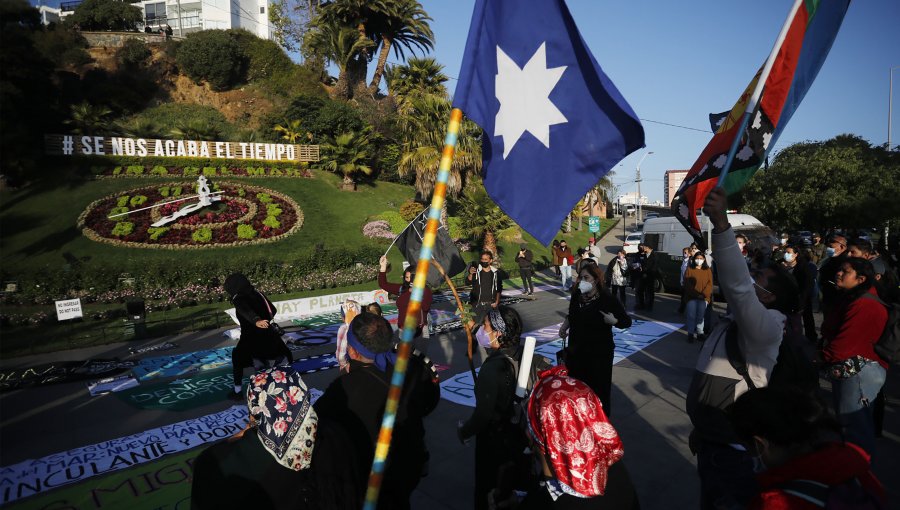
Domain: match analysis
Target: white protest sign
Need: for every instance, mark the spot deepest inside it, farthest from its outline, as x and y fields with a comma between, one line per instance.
x=306, y=307
x=68, y=309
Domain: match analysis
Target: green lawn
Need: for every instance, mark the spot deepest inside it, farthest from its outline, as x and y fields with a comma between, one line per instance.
x=38, y=224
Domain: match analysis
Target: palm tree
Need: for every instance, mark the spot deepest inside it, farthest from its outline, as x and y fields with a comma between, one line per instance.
x=344, y=47
x=141, y=128
x=196, y=129
x=292, y=132
x=480, y=217
x=402, y=25
x=348, y=155
x=417, y=76
x=88, y=118
x=423, y=125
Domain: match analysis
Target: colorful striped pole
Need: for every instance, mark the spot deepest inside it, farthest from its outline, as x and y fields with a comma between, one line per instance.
x=382, y=448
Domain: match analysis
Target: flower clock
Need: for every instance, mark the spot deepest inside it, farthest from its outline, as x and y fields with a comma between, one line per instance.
x=191, y=215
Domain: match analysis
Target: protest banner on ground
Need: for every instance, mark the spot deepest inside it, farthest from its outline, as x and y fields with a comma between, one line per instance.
x=111, y=384
x=460, y=389
x=306, y=307
x=183, y=364
x=37, y=476
x=60, y=372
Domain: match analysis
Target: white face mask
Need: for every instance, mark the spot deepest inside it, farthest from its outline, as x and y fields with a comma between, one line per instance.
x=789, y=257
x=829, y=252
x=698, y=262
x=585, y=287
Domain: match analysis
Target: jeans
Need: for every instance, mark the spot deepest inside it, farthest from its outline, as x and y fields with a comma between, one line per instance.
x=853, y=402
x=694, y=312
x=527, y=282
x=566, y=276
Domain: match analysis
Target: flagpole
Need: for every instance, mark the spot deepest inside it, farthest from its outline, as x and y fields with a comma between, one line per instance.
x=383, y=445
x=757, y=91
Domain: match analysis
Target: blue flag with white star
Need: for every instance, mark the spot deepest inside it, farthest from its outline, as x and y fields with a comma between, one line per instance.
x=553, y=122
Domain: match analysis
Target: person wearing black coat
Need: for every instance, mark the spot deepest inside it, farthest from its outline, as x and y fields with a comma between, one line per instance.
x=646, y=288
x=259, y=345
x=593, y=312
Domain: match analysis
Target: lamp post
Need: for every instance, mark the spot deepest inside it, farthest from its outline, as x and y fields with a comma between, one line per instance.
x=637, y=179
x=891, y=104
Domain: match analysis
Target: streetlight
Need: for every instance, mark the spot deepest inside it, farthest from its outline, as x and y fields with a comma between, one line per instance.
x=637, y=179
x=891, y=104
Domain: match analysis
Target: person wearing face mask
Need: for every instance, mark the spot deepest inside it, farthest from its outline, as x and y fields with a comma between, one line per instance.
x=593, y=312
x=835, y=255
x=486, y=287
x=804, y=272
x=759, y=304
x=816, y=252
x=617, y=276
x=698, y=283
x=800, y=455
x=497, y=441
x=403, y=293
x=778, y=249
x=849, y=333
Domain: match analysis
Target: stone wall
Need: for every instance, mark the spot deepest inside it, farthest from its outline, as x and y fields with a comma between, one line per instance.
x=117, y=39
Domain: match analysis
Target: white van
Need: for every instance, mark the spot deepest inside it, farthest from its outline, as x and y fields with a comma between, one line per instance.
x=668, y=236
x=630, y=209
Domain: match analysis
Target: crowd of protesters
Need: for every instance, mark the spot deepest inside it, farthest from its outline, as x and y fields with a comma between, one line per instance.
x=763, y=434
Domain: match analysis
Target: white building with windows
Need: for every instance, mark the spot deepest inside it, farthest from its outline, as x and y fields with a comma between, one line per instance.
x=632, y=198
x=186, y=16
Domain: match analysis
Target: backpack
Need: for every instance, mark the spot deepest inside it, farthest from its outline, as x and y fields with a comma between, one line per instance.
x=888, y=345
x=793, y=368
x=849, y=495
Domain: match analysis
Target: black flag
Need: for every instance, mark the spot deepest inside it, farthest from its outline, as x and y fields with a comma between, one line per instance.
x=445, y=252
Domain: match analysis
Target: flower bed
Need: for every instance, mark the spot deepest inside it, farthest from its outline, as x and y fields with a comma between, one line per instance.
x=242, y=208
x=169, y=172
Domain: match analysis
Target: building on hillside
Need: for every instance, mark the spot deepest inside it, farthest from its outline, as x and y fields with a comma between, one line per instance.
x=186, y=16
x=671, y=182
x=50, y=14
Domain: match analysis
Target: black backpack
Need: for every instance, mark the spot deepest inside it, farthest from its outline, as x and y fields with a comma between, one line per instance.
x=888, y=345
x=793, y=367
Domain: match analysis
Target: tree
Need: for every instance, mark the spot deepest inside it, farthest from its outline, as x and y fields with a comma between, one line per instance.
x=842, y=182
x=402, y=26
x=87, y=118
x=480, y=217
x=106, y=15
x=292, y=131
x=423, y=126
x=417, y=76
x=196, y=129
x=213, y=56
x=348, y=155
x=344, y=47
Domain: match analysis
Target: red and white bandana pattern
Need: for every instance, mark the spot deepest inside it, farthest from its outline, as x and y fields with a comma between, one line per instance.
x=567, y=421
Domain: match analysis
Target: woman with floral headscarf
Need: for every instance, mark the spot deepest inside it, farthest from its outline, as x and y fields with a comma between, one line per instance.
x=579, y=450
x=285, y=457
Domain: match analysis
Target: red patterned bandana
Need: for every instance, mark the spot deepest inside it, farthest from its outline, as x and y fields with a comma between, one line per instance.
x=567, y=421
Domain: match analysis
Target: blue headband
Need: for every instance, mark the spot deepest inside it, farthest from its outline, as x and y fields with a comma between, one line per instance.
x=381, y=358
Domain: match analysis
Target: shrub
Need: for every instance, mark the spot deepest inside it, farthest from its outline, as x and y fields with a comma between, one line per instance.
x=159, y=170
x=123, y=228
x=273, y=210
x=184, y=115
x=134, y=53
x=156, y=232
x=454, y=225
x=410, y=209
x=63, y=46
x=394, y=219
x=212, y=56
x=322, y=117
x=134, y=170
x=164, y=191
x=245, y=231
x=378, y=229
x=272, y=222
x=209, y=171
x=137, y=200
x=265, y=59
x=264, y=198
x=118, y=210
x=117, y=170
x=122, y=201
x=202, y=235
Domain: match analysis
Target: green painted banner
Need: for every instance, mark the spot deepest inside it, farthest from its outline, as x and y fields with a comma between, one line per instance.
x=160, y=485
x=182, y=394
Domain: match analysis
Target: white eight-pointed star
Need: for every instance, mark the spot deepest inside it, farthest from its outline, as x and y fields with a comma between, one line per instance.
x=524, y=96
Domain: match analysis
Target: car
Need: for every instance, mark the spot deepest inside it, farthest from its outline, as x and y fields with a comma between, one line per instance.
x=630, y=209
x=651, y=215
x=631, y=243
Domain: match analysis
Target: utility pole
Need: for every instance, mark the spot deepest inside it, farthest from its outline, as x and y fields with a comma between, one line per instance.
x=637, y=179
x=180, y=27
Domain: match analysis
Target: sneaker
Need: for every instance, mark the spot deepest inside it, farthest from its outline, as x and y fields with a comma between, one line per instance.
x=235, y=396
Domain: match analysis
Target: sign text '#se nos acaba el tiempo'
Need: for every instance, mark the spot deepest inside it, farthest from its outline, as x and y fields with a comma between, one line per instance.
x=87, y=145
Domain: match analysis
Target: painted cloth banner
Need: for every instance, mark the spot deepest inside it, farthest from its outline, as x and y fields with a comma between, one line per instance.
x=37, y=476
x=307, y=307
x=460, y=389
x=61, y=372
x=183, y=364
x=160, y=485
x=111, y=384
x=165, y=346
x=182, y=394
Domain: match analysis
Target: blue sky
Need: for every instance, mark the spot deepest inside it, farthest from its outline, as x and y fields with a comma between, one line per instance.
x=676, y=62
